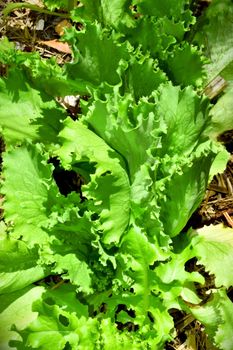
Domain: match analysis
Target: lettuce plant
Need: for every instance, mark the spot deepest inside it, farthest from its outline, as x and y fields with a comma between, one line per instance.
x=143, y=156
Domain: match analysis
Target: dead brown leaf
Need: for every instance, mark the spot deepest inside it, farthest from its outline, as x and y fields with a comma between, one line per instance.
x=57, y=45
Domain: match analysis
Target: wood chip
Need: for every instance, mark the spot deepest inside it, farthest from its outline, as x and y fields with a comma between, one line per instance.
x=61, y=26
x=40, y=25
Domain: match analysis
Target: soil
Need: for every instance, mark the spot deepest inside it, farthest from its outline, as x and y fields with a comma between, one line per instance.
x=30, y=30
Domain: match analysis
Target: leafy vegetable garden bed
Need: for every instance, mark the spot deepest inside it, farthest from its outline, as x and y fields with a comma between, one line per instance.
x=98, y=242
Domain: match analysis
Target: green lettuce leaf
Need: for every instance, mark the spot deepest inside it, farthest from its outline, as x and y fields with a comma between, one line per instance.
x=214, y=251
x=138, y=254
x=185, y=65
x=33, y=115
x=221, y=112
x=79, y=144
x=186, y=119
x=55, y=328
x=67, y=324
x=214, y=33
x=142, y=77
x=16, y=309
x=29, y=185
x=60, y=4
x=155, y=35
x=176, y=284
x=216, y=315
x=136, y=289
x=44, y=75
x=160, y=9
x=99, y=62
x=171, y=149
x=18, y=266
x=111, y=122
x=56, y=296
x=30, y=192
x=168, y=129
x=183, y=190
x=77, y=271
x=220, y=163
x=116, y=13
